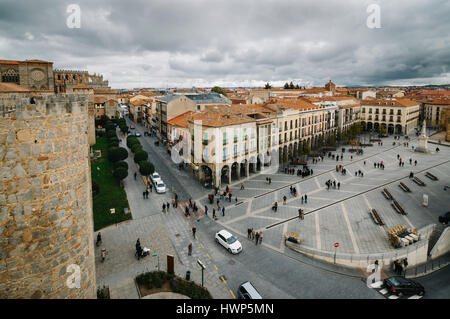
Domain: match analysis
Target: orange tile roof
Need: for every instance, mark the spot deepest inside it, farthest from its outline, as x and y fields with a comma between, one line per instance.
x=138, y=102
x=100, y=99
x=181, y=120
x=8, y=62
x=38, y=61
x=297, y=104
x=219, y=119
x=12, y=87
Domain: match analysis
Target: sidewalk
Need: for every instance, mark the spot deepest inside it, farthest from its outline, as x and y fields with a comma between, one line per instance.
x=163, y=233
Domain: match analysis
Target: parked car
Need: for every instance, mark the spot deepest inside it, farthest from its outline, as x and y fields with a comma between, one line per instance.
x=228, y=241
x=132, y=127
x=247, y=291
x=445, y=219
x=155, y=178
x=403, y=286
x=160, y=187
x=138, y=134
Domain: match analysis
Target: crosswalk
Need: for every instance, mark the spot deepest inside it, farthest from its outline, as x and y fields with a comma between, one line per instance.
x=378, y=286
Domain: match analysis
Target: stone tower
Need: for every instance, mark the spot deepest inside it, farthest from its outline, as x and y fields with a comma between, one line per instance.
x=46, y=232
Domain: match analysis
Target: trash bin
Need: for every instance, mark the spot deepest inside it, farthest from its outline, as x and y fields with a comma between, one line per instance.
x=188, y=275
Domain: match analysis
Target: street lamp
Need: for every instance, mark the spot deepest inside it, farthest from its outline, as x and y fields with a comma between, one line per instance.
x=202, y=266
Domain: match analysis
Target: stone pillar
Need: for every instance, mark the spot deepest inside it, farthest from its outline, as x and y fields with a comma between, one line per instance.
x=247, y=169
x=238, y=171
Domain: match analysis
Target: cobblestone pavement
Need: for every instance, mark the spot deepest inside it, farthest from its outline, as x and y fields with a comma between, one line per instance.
x=334, y=215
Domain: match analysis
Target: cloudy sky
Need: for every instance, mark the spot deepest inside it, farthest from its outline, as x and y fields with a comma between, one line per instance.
x=184, y=43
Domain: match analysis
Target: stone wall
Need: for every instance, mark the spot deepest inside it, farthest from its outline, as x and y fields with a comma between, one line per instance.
x=442, y=246
x=45, y=199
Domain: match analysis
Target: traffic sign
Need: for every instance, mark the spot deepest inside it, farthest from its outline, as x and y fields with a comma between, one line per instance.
x=155, y=255
x=336, y=245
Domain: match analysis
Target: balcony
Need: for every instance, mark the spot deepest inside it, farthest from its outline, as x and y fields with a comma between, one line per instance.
x=205, y=142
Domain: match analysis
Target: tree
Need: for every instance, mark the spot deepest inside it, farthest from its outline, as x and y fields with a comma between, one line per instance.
x=146, y=168
x=132, y=140
x=110, y=126
x=116, y=154
x=120, y=164
x=102, y=121
x=306, y=148
x=268, y=86
x=111, y=133
x=286, y=86
x=291, y=85
x=297, y=87
x=339, y=136
x=382, y=129
x=140, y=156
x=120, y=173
x=136, y=147
x=123, y=128
x=219, y=90
x=113, y=141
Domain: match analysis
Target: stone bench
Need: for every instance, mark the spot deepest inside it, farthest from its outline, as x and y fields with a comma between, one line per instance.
x=404, y=187
x=376, y=218
x=418, y=181
x=431, y=176
x=399, y=209
x=387, y=194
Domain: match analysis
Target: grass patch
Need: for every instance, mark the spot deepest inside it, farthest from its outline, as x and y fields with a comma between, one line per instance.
x=111, y=195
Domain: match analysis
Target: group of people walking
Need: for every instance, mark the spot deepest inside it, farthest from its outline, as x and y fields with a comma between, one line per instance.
x=254, y=235
x=333, y=184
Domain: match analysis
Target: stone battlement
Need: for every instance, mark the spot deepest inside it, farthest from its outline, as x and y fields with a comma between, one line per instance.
x=70, y=71
x=20, y=107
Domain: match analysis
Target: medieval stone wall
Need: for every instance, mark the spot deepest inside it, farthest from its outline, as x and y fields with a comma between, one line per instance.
x=45, y=199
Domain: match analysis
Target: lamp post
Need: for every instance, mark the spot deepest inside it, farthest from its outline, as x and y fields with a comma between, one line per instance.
x=202, y=266
x=336, y=245
x=156, y=255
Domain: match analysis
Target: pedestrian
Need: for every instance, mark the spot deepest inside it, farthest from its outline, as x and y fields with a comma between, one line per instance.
x=168, y=206
x=270, y=180
x=410, y=161
x=364, y=162
x=229, y=196
x=306, y=199
x=256, y=238
x=249, y=233
x=143, y=194
x=260, y=237
x=302, y=200
x=242, y=186
x=146, y=193
x=186, y=211
x=214, y=213
x=339, y=185
x=151, y=188
x=252, y=234
x=206, y=210
x=173, y=202
x=415, y=163
x=223, y=211
x=236, y=200
x=135, y=174
x=284, y=200
x=190, y=249
x=194, y=230
x=164, y=208
x=99, y=239
x=299, y=213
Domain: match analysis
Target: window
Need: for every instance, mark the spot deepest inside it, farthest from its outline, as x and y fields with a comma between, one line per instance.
x=244, y=138
x=364, y=110
x=224, y=153
x=370, y=110
x=224, y=138
x=235, y=150
x=205, y=154
x=235, y=135
x=205, y=138
x=253, y=133
x=296, y=123
x=252, y=146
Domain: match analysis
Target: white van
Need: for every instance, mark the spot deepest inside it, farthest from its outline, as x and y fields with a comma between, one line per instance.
x=247, y=291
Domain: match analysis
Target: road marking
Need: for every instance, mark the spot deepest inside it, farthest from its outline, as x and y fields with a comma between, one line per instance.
x=208, y=255
x=203, y=247
x=383, y=291
x=234, y=297
x=415, y=297
x=317, y=182
x=393, y=297
x=216, y=267
x=377, y=284
x=224, y=281
x=350, y=230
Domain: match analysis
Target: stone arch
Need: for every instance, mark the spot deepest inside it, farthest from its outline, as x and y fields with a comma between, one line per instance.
x=398, y=129
x=224, y=175
x=235, y=171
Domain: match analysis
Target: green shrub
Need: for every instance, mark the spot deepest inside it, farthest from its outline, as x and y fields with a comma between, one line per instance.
x=113, y=141
x=140, y=156
x=111, y=133
x=110, y=126
x=120, y=164
x=100, y=133
x=120, y=173
x=95, y=188
x=116, y=154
